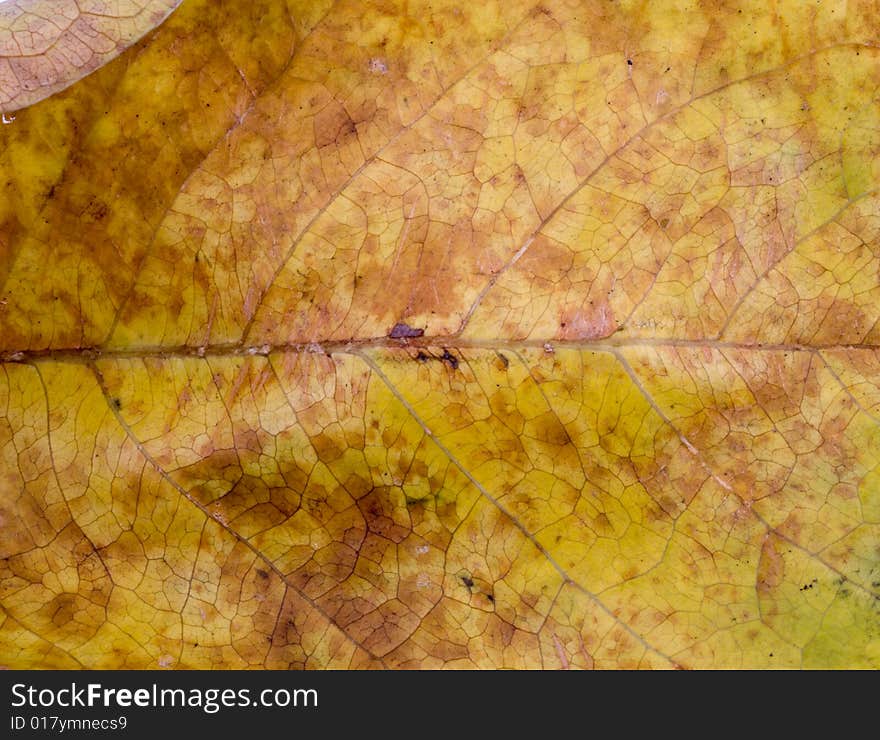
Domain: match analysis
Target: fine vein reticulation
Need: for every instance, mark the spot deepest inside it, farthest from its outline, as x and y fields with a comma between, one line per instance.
x=395, y=335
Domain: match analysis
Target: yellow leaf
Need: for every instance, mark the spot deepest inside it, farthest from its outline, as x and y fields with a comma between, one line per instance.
x=443, y=335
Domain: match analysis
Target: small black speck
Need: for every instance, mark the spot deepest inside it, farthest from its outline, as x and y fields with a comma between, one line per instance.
x=117, y=404
x=629, y=62
x=422, y=357
x=467, y=581
x=491, y=597
x=262, y=573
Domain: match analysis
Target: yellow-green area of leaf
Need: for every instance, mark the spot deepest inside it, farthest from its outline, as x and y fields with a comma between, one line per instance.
x=440, y=335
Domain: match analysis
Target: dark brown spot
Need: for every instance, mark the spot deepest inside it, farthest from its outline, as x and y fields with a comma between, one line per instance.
x=449, y=358
x=97, y=210
x=404, y=331
x=333, y=126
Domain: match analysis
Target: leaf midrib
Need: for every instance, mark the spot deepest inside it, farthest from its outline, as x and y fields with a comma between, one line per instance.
x=353, y=346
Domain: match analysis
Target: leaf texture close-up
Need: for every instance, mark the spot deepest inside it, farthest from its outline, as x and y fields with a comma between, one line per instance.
x=430, y=334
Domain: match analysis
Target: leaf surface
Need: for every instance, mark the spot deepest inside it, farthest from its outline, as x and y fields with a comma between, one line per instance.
x=421, y=335
x=46, y=45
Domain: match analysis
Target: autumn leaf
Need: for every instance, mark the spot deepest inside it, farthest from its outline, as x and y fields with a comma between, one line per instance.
x=46, y=45
x=420, y=335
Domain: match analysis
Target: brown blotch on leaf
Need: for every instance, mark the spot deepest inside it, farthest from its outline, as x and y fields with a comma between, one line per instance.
x=449, y=358
x=404, y=331
x=97, y=210
x=596, y=322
